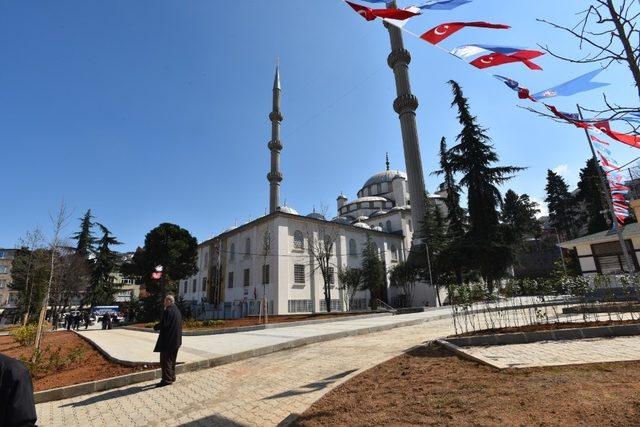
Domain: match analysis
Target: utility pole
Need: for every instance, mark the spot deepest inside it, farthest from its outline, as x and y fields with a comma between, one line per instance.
x=607, y=195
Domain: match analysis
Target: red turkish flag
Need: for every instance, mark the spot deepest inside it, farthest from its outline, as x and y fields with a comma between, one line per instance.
x=371, y=14
x=441, y=32
x=495, y=59
x=632, y=140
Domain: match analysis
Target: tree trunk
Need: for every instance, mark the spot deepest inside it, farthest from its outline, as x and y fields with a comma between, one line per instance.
x=626, y=44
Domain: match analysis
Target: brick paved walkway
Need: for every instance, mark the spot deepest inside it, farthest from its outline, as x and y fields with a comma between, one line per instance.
x=260, y=391
x=554, y=353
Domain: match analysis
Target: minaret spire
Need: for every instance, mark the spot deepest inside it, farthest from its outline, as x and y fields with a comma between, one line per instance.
x=275, y=145
x=387, y=157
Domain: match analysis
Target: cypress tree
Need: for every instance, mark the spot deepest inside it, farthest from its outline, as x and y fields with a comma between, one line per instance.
x=102, y=287
x=561, y=205
x=519, y=213
x=474, y=157
x=372, y=272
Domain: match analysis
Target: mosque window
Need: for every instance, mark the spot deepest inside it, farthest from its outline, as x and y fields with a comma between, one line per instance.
x=389, y=226
x=186, y=283
x=195, y=283
x=232, y=252
x=206, y=260
x=204, y=284
x=394, y=253
x=371, y=205
x=230, y=281
x=247, y=277
x=353, y=250
x=247, y=247
x=298, y=240
x=358, y=205
x=298, y=273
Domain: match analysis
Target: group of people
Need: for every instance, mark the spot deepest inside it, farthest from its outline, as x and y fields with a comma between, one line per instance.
x=17, y=406
x=72, y=321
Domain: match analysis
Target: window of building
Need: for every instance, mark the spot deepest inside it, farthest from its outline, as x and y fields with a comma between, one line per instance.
x=330, y=273
x=353, y=249
x=186, y=283
x=204, y=284
x=389, y=226
x=298, y=240
x=247, y=276
x=232, y=252
x=265, y=274
x=2, y=254
x=394, y=253
x=2, y=283
x=247, y=247
x=609, y=257
x=230, y=281
x=206, y=259
x=371, y=205
x=195, y=283
x=298, y=273
x=4, y=269
x=358, y=205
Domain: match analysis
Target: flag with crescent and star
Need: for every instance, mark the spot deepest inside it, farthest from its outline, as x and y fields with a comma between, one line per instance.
x=442, y=31
x=497, y=55
x=371, y=14
x=605, y=127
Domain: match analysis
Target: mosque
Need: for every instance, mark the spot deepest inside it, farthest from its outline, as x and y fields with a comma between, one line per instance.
x=272, y=256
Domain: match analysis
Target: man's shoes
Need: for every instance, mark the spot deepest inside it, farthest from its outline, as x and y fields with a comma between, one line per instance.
x=162, y=384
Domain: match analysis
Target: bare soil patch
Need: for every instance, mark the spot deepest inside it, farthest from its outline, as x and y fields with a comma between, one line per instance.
x=92, y=365
x=430, y=386
x=548, y=327
x=254, y=320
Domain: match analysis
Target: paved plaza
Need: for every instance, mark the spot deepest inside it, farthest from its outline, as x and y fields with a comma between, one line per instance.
x=135, y=346
x=259, y=391
x=555, y=353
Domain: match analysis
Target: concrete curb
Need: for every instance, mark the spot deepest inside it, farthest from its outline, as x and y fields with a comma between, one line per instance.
x=195, y=333
x=138, y=377
x=457, y=350
x=553, y=335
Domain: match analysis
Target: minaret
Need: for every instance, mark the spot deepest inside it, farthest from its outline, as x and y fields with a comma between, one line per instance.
x=275, y=177
x=405, y=105
x=387, y=162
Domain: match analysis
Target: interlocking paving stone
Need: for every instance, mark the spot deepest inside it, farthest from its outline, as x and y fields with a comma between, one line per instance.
x=261, y=391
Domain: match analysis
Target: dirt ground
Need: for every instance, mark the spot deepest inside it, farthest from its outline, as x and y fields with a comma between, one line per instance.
x=253, y=321
x=92, y=366
x=430, y=386
x=549, y=327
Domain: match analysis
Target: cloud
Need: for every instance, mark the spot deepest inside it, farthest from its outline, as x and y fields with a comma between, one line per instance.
x=544, y=210
x=561, y=170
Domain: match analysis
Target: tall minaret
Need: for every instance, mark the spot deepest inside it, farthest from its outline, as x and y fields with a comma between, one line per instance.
x=405, y=105
x=275, y=176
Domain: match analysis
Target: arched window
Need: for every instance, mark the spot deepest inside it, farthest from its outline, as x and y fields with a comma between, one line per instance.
x=353, y=249
x=389, y=226
x=232, y=252
x=381, y=225
x=298, y=240
x=247, y=247
x=394, y=253
x=206, y=259
x=410, y=226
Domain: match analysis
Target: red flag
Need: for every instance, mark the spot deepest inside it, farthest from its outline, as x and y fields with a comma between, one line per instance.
x=596, y=139
x=559, y=114
x=441, y=32
x=495, y=59
x=371, y=14
x=632, y=140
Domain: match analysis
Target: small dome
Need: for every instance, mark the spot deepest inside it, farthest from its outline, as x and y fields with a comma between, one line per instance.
x=398, y=208
x=377, y=228
x=377, y=213
x=289, y=210
x=362, y=225
x=385, y=176
x=342, y=220
x=316, y=215
x=362, y=218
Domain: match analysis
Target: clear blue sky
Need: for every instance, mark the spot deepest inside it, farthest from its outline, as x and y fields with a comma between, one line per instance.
x=153, y=110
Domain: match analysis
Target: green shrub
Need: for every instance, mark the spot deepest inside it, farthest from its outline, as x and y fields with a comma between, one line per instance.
x=25, y=335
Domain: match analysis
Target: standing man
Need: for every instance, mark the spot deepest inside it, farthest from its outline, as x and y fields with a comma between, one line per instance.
x=169, y=340
x=17, y=407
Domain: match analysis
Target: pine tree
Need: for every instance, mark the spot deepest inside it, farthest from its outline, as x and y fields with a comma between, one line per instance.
x=434, y=229
x=85, y=238
x=372, y=272
x=103, y=289
x=593, y=198
x=561, y=205
x=455, y=215
x=473, y=157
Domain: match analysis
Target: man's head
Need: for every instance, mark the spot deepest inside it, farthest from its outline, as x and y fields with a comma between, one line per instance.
x=169, y=300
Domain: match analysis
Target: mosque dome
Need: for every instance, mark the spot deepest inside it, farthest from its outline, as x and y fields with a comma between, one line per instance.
x=316, y=215
x=384, y=176
x=362, y=225
x=377, y=228
x=342, y=220
x=377, y=213
x=362, y=218
x=288, y=209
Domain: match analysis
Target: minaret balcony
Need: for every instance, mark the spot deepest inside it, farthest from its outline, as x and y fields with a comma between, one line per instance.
x=274, y=176
x=275, y=145
x=276, y=116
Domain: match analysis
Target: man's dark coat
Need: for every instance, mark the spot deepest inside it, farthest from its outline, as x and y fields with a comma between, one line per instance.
x=17, y=407
x=170, y=327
